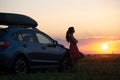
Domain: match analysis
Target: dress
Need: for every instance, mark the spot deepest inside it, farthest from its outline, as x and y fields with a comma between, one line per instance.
x=74, y=52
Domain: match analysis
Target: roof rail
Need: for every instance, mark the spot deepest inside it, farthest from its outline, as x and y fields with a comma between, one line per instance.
x=19, y=26
x=17, y=19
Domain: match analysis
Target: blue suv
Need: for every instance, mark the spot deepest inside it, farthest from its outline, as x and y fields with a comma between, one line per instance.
x=24, y=47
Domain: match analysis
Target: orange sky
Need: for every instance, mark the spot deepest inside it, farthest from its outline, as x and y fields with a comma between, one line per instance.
x=91, y=18
x=94, y=46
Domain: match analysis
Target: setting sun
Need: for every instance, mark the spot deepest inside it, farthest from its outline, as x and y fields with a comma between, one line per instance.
x=105, y=46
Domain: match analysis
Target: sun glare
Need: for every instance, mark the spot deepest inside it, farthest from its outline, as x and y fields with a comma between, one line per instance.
x=105, y=46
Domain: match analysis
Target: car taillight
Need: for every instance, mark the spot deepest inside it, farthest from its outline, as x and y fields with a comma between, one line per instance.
x=4, y=44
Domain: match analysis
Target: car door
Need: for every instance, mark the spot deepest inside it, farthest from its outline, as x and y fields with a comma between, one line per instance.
x=51, y=51
x=30, y=43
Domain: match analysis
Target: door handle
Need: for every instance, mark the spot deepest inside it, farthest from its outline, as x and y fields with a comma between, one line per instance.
x=24, y=45
x=43, y=48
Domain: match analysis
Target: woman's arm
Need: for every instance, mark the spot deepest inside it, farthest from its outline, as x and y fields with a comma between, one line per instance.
x=72, y=39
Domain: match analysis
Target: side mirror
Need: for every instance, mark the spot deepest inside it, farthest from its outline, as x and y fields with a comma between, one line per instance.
x=55, y=43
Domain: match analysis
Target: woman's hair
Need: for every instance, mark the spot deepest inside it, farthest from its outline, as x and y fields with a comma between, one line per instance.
x=69, y=31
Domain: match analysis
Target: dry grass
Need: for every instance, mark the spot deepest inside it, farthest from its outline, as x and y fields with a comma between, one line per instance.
x=90, y=68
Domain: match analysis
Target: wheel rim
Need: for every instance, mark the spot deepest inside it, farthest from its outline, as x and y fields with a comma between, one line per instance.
x=20, y=66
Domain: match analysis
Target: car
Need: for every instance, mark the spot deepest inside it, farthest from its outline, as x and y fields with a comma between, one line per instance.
x=24, y=47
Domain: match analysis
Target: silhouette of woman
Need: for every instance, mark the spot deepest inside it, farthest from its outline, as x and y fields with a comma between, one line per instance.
x=75, y=54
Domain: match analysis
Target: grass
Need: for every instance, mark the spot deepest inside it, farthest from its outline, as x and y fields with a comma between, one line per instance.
x=90, y=68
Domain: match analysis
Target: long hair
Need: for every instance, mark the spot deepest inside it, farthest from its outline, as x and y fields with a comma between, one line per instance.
x=69, y=31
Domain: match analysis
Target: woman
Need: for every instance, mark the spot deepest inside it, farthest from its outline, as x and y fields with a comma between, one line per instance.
x=75, y=54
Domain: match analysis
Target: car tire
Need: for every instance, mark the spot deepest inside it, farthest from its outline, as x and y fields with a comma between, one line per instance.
x=20, y=65
x=65, y=65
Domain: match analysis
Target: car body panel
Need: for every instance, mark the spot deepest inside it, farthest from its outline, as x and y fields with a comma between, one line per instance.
x=38, y=48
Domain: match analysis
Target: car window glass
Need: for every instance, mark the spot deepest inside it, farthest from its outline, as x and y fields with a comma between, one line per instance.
x=17, y=36
x=42, y=38
x=25, y=35
x=28, y=36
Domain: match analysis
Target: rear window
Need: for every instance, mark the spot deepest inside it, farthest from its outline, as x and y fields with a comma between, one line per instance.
x=2, y=33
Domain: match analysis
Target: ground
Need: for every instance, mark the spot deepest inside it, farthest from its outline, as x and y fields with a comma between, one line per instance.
x=90, y=68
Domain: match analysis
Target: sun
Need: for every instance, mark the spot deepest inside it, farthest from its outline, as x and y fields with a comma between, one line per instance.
x=105, y=46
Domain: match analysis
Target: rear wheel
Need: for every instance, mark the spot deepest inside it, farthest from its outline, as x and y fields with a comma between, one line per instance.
x=20, y=65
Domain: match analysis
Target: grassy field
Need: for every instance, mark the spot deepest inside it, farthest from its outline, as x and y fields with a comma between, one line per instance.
x=90, y=68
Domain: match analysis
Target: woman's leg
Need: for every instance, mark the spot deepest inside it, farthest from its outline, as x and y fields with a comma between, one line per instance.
x=74, y=65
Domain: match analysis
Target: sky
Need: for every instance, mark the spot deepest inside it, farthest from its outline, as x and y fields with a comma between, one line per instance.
x=93, y=20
